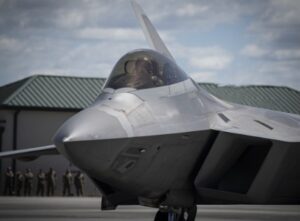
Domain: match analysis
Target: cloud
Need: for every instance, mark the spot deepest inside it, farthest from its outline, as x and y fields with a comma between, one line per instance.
x=70, y=18
x=10, y=44
x=191, y=9
x=278, y=24
x=86, y=37
x=279, y=73
x=131, y=34
x=214, y=62
x=204, y=76
x=253, y=50
x=281, y=13
x=275, y=45
x=287, y=54
x=212, y=58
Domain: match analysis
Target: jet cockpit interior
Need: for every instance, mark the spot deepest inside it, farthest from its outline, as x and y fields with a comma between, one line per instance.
x=143, y=69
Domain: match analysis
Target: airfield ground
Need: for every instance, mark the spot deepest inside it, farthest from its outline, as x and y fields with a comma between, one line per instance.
x=46, y=209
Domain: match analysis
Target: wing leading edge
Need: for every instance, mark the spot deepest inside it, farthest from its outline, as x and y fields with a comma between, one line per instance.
x=30, y=153
x=258, y=122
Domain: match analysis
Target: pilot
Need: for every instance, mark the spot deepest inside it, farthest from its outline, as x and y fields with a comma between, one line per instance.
x=144, y=70
x=141, y=77
x=141, y=73
x=79, y=182
x=41, y=183
x=51, y=182
x=28, y=182
x=19, y=183
x=9, y=181
x=67, y=181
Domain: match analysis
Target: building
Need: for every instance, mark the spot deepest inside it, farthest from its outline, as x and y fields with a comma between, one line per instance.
x=32, y=109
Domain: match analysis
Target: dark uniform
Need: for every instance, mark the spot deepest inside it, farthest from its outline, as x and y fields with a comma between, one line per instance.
x=28, y=182
x=41, y=182
x=9, y=182
x=19, y=183
x=79, y=182
x=67, y=181
x=51, y=182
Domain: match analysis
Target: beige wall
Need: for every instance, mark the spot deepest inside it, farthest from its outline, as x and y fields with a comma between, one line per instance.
x=36, y=128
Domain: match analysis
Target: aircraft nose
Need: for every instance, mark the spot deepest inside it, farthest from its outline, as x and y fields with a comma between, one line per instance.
x=88, y=125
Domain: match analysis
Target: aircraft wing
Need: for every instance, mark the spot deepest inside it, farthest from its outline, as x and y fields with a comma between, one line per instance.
x=253, y=157
x=258, y=122
x=238, y=119
x=30, y=153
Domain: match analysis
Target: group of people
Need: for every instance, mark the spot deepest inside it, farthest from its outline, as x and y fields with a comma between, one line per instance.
x=20, y=182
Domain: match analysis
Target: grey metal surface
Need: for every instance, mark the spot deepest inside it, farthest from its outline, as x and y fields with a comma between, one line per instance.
x=177, y=144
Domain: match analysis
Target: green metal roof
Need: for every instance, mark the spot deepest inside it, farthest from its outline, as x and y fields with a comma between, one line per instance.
x=75, y=93
x=277, y=98
x=52, y=92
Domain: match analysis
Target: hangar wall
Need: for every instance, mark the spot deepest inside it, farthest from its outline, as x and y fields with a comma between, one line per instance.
x=36, y=128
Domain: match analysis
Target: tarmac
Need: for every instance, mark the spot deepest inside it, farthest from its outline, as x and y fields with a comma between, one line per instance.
x=72, y=208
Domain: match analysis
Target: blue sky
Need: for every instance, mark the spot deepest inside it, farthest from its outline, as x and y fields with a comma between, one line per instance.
x=222, y=41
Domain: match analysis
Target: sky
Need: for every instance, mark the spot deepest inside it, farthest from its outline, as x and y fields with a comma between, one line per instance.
x=236, y=42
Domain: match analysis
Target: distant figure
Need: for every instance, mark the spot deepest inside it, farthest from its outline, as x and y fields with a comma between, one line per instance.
x=41, y=183
x=19, y=182
x=51, y=182
x=28, y=182
x=9, y=182
x=67, y=181
x=79, y=182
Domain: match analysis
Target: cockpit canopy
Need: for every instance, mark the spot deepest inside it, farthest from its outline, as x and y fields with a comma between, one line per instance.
x=144, y=69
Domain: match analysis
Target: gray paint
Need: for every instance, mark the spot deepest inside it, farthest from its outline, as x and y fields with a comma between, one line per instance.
x=170, y=145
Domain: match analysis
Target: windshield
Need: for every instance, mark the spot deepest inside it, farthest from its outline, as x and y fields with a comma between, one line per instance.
x=144, y=69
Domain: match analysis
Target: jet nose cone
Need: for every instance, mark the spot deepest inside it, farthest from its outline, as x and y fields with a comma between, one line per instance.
x=89, y=124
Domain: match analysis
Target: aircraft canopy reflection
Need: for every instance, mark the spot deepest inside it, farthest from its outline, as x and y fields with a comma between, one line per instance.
x=143, y=69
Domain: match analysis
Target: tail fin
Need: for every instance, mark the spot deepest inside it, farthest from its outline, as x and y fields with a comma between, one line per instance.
x=151, y=34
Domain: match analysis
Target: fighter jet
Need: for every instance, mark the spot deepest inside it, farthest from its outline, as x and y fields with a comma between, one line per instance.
x=154, y=137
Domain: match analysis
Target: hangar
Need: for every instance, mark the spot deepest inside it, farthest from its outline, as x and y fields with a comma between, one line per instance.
x=32, y=109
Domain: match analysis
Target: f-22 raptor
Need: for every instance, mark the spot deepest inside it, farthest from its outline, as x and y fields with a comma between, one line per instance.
x=154, y=137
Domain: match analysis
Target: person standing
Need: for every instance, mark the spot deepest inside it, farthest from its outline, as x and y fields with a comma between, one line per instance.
x=79, y=183
x=19, y=182
x=9, y=182
x=51, y=182
x=28, y=182
x=67, y=181
x=41, y=183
